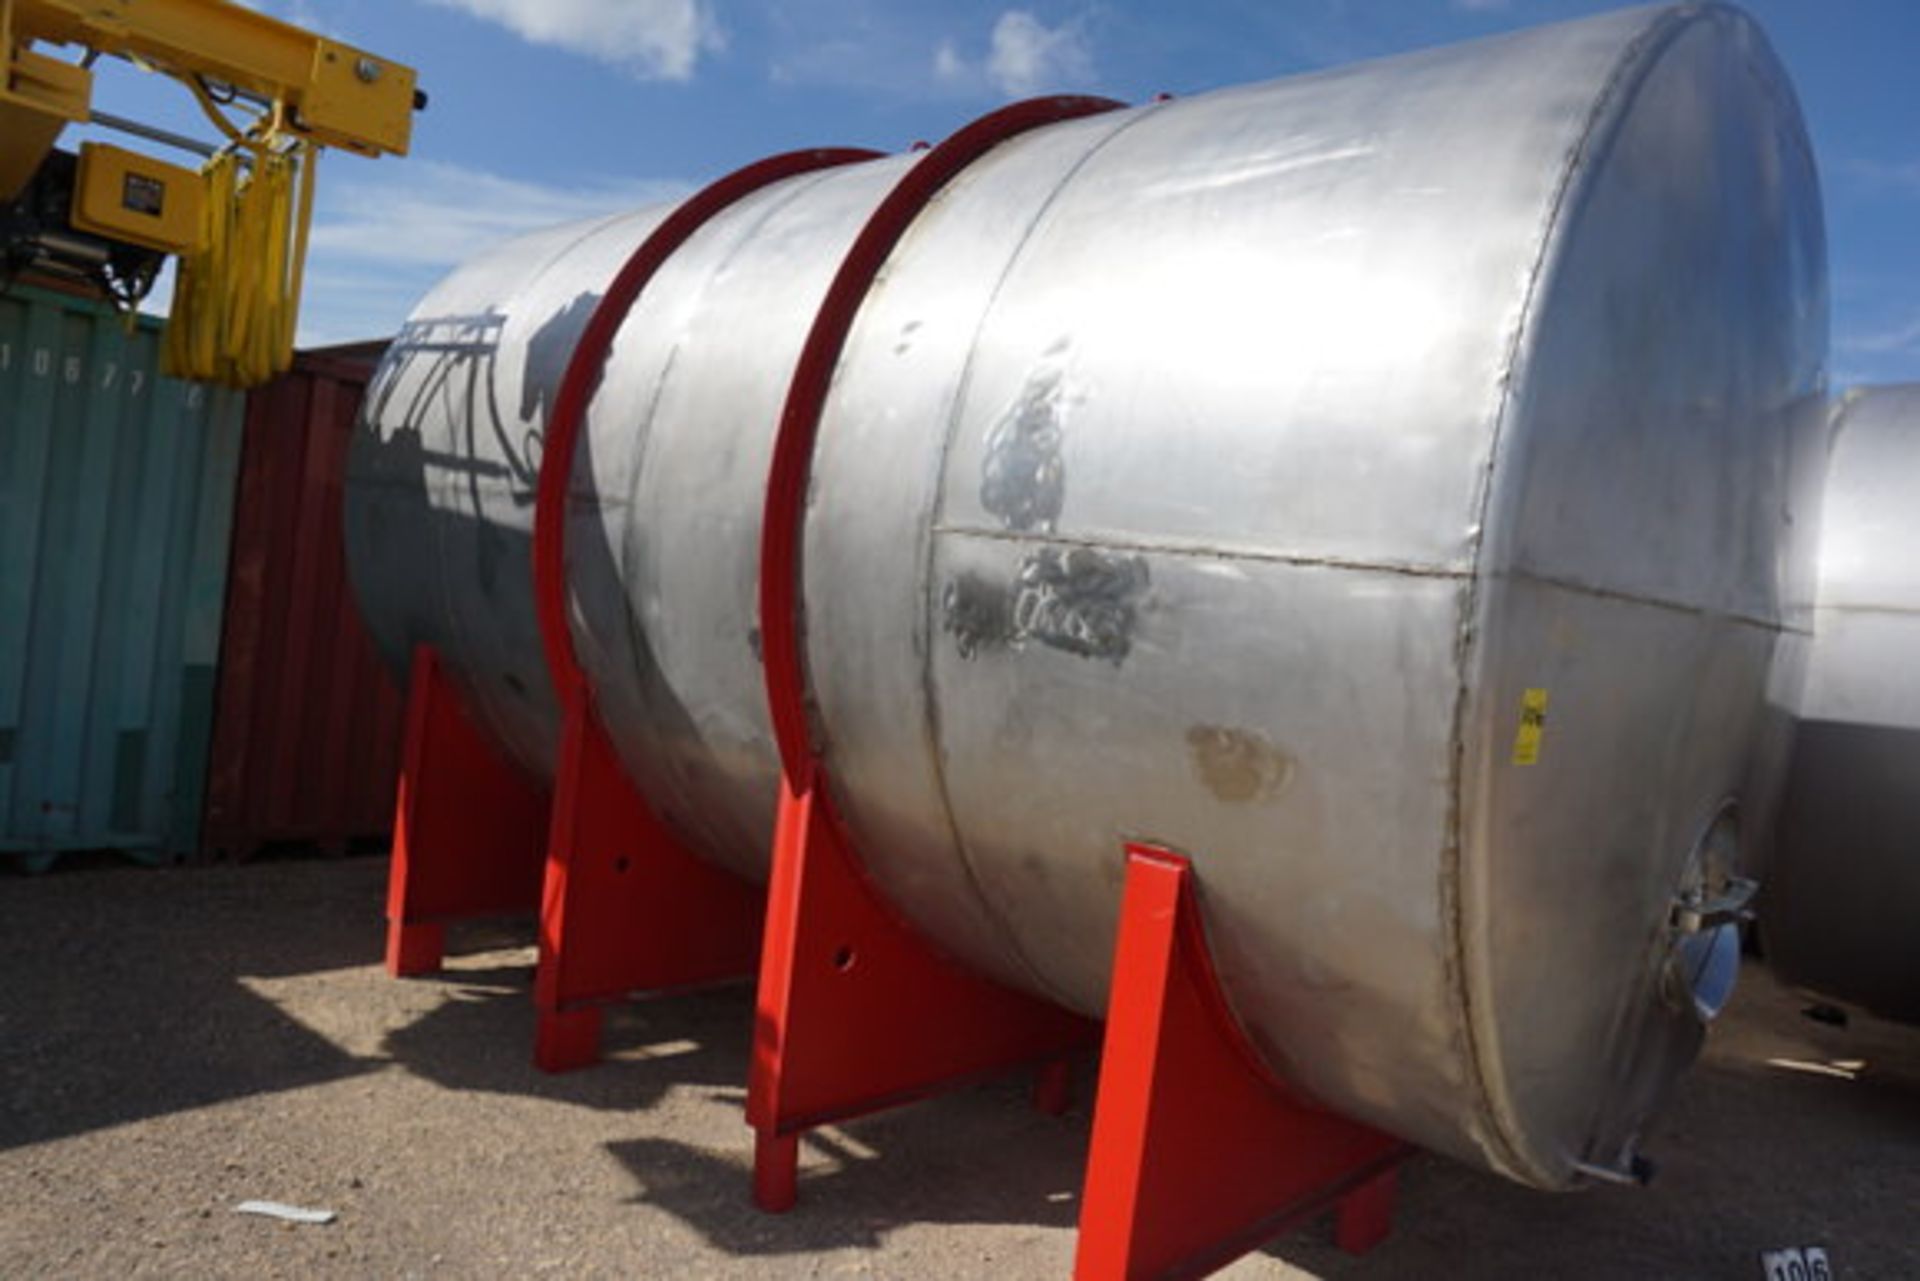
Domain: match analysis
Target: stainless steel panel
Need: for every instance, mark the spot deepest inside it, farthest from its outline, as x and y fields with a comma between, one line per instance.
x=681, y=660
x=877, y=470
x=1669, y=387
x=441, y=476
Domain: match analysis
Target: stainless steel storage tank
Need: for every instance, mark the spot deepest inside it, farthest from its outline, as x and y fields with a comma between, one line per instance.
x=1841, y=911
x=1374, y=483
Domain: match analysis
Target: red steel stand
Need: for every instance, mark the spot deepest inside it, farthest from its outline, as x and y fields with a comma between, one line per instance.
x=1199, y=1154
x=857, y=1012
x=626, y=908
x=467, y=828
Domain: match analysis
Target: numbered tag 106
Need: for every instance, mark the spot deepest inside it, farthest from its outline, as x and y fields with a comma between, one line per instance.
x=1808, y=1264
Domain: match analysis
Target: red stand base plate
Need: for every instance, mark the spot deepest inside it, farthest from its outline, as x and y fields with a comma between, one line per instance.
x=467, y=831
x=626, y=907
x=1199, y=1154
x=857, y=1012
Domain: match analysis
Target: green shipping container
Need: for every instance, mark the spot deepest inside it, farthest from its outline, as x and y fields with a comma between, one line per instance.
x=116, y=493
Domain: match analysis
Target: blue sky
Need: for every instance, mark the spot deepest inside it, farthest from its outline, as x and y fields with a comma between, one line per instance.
x=546, y=110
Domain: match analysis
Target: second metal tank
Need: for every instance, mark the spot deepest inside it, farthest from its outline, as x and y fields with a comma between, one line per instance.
x=1374, y=483
x=1841, y=912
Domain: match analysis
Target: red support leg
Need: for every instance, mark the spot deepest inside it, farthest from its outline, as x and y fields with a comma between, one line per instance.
x=413, y=950
x=1198, y=1153
x=776, y=1171
x=467, y=828
x=626, y=908
x=856, y=1011
x=564, y=1040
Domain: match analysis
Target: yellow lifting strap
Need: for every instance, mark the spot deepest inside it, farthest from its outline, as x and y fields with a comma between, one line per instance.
x=236, y=297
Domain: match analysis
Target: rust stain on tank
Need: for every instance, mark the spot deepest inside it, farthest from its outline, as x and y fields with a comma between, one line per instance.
x=1238, y=765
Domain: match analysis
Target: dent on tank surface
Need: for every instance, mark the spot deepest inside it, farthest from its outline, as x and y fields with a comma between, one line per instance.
x=1376, y=484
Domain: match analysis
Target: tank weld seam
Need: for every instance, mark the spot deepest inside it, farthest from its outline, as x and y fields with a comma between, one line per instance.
x=1407, y=569
x=1198, y=550
x=990, y=910
x=1632, y=62
x=1653, y=602
x=1896, y=611
x=642, y=658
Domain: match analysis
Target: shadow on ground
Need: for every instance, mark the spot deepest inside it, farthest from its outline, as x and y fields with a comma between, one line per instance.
x=1789, y=1133
x=129, y=994
x=123, y=998
x=481, y=1040
x=120, y=999
x=982, y=1155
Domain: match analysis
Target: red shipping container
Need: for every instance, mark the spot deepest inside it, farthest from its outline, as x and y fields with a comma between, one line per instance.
x=307, y=722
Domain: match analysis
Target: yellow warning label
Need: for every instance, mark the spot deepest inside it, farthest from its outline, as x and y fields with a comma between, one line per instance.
x=1533, y=723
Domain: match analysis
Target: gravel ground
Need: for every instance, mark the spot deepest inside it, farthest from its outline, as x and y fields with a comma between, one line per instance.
x=173, y=1043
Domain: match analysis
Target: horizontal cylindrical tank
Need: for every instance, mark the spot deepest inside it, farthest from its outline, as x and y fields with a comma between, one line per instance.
x=1841, y=911
x=1373, y=483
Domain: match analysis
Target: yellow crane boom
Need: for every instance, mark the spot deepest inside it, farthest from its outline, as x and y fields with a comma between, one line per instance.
x=334, y=94
x=240, y=278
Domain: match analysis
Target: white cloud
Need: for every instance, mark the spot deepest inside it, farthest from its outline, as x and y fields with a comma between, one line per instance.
x=1028, y=57
x=1898, y=339
x=1481, y=6
x=432, y=212
x=384, y=235
x=948, y=65
x=298, y=12
x=655, y=39
x=1024, y=57
x=1902, y=177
